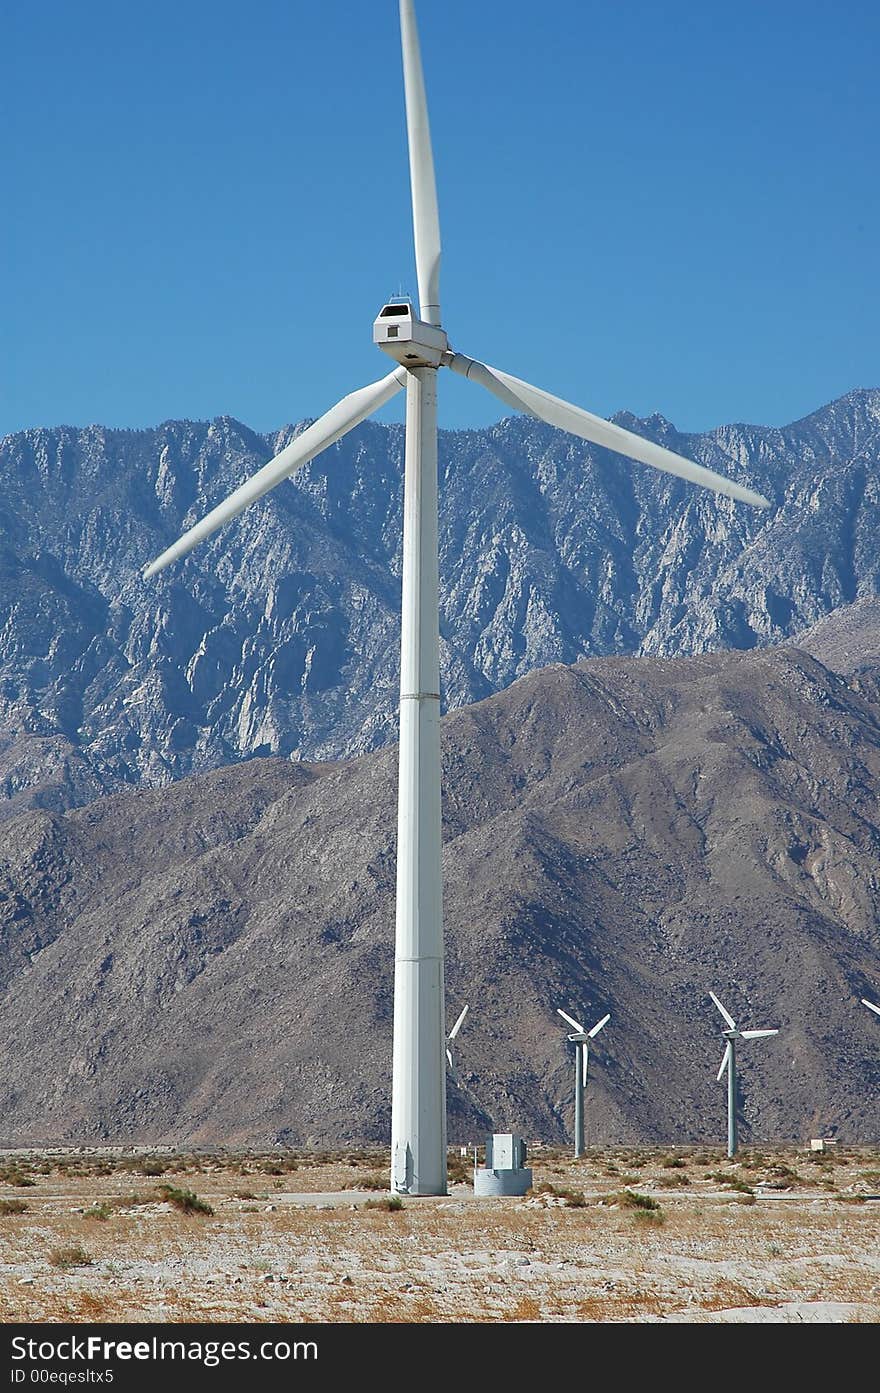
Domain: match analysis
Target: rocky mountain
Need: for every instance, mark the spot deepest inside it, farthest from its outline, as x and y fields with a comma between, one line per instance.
x=848, y=639
x=280, y=635
x=212, y=962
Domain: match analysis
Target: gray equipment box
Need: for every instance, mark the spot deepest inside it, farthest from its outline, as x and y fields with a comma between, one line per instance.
x=504, y=1172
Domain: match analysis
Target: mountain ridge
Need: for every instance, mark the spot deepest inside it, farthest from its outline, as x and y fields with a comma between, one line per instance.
x=280, y=634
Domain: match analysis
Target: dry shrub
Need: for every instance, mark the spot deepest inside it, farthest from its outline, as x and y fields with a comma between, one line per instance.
x=72, y=1256
x=12, y=1175
x=733, y=1182
x=526, y=1308
x=133, y=1201
x=88, y=1306
x=13, y=1207
x=423, y=1309
x=392, y=1204
x=458, y=1170
x=574, y=1199
x=369, y=1182
x=728, y=1292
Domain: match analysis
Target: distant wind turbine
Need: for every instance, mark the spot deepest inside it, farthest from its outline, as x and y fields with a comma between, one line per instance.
x=728, y=1062
x=451, y=1036
x=420, y=346
x=581, y=1040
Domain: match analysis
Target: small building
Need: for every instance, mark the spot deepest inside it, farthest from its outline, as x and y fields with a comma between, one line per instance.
x=505, y=1171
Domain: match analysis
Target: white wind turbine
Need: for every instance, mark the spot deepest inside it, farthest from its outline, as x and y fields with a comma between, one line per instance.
x=728, y=1062
x=420, y=346
x=451, y=1036
x=581, y=1040
x=871, y=1007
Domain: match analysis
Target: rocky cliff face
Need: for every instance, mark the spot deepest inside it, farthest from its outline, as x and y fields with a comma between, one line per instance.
x=280, y=636
x=212, y=962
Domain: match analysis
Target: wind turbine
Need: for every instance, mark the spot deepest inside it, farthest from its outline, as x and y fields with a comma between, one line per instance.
x=581, y=1040
x=420, y=347
x=451, y=1036
x=871, y=1007
x=728, y=1062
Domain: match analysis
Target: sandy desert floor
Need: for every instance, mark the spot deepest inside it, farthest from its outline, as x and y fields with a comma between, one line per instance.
x=629, y=1235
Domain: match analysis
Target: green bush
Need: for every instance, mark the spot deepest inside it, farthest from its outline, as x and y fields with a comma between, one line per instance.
x=650, y=1216
x=99, y=1211
x=184, y=1200
x=732, y=1181
x=631, y=1199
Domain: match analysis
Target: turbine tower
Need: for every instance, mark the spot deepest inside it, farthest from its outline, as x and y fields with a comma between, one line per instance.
x=728, y=1062
x=581, y=1040
x=420, y=347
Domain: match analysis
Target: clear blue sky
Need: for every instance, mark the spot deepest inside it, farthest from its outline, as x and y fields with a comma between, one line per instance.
x=667, y=207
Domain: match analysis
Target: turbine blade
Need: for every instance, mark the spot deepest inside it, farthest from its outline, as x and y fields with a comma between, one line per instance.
x=600, y=1025
x=329, y=428
x=871, y=1007
x=458, y=1024
x=756, y=1034
x=522, y=397
x=571, y=1020
x=726, y=1014
x=449, y=1057
x=724, y=1062
x=586, y=1065
x=426, y=218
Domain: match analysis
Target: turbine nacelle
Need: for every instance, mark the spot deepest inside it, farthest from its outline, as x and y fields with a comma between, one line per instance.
x=399, y=332
x=732, y=1034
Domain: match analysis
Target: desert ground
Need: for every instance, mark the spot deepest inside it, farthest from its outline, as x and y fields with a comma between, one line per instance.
x=642, y=1234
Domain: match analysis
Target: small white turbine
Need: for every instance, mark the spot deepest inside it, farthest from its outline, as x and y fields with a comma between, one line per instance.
x=728, y=1062
x=451, y=1036
x=581, y=1038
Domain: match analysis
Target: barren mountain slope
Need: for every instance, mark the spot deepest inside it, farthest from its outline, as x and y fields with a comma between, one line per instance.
x=212, y=962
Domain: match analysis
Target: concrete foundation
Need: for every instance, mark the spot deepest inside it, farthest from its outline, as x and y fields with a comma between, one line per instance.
x=502, y=1182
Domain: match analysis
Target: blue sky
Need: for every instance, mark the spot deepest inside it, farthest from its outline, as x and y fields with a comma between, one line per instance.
x=667, y=208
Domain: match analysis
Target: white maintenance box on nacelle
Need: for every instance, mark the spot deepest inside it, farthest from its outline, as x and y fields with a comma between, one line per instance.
x=399, y=332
